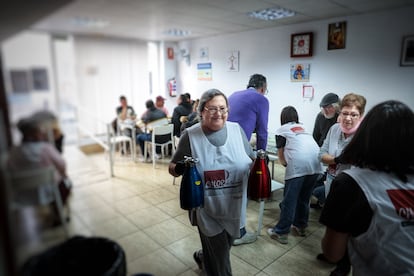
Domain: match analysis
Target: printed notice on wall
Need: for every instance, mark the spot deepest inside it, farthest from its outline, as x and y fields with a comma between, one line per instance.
x=204, y=71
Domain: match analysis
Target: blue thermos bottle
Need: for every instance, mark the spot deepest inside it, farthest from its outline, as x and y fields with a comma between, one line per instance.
x=191, y=189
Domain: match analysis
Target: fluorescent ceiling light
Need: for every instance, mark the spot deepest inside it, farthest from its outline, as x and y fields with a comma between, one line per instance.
x=86, y=22
x=177, y=32
x=271, y=13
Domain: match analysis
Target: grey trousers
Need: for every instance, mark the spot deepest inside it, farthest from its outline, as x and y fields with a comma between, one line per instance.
x=216, y=254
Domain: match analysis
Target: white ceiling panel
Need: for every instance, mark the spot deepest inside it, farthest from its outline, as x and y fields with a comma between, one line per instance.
x=149, y=19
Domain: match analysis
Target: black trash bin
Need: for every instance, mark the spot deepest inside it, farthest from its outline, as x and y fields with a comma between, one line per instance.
x=80, y=256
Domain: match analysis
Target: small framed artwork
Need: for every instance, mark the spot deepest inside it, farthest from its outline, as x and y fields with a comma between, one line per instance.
x=337, y=35
x=299, y=72
x=20, y=81
x=407, y=51
x=301, y=45
x=40, y=79
x=233, y=61
x=204, y=53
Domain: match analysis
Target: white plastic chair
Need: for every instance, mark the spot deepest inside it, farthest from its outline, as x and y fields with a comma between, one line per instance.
x=157, y=131
x=31, y=180
x=119, y=138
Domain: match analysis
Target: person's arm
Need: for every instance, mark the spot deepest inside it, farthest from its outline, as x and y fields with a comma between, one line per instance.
x=183, y=149
x=316, y=131
x=280, y=145
x=346, y=214
x=324, y=155
x=123, y=114
x=261, y=124
x=133, y=114
x=247, y=146
x=334, y=244
x=281, y=155
x=56, y=159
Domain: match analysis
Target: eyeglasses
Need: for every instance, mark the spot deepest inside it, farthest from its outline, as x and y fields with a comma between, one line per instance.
x=213, y=110
x=353, y=115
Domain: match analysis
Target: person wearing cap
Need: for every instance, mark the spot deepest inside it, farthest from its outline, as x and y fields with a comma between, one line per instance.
x=324, y=120
x=250, y=109
x=159, y=103
x=327, y=117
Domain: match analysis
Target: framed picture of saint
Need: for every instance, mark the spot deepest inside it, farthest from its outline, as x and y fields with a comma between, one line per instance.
x=337, y=35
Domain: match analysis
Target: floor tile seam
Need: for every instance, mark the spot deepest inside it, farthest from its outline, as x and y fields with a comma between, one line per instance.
x=162, y=248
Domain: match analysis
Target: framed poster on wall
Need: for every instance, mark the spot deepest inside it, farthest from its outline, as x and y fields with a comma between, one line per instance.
x=407, y=51
x=19, y=81
x=337, y=35
x=40, y=79
x=299, y=72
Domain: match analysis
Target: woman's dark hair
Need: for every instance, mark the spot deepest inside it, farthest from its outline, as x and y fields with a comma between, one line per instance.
x=150, y=104
x=184, y=98
x=207, y=96
x=289, y=114
x=257, y=81
x=384, y=140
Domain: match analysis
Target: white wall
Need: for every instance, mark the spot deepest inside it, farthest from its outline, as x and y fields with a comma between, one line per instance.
x=103, y=68
x=107, y=69
x=369, y=65
x=25, y=51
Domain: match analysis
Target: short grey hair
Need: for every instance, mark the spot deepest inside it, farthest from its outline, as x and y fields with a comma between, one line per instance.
x=207, y=96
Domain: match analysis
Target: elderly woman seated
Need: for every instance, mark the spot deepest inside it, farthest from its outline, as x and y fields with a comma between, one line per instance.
x=35, y=152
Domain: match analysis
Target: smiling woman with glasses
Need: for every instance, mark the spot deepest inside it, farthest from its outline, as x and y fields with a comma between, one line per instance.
x=339, y=135
x=223, y=165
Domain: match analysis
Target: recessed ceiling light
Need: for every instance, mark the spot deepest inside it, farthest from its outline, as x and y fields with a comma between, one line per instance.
x=271, y=13
x=177, y=32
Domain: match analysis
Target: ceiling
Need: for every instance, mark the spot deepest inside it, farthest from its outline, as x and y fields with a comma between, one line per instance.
x=148, y=20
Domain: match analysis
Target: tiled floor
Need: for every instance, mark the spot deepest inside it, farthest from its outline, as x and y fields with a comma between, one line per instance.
x=139, y=209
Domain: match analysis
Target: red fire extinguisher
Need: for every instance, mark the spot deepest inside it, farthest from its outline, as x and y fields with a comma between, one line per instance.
x=172, y=87
x=259, y=184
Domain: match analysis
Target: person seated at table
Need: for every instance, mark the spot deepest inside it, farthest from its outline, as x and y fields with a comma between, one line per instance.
x=192, y=118
x=124, y=114
x=184, y=108
x=159, y=103
x=35, y=152
x=151, y=114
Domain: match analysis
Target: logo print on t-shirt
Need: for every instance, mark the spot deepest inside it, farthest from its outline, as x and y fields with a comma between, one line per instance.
x=403, y=201
x=297, y=129
x=215, y=179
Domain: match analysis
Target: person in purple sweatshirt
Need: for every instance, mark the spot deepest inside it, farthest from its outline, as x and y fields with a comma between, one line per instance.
x=250, y=109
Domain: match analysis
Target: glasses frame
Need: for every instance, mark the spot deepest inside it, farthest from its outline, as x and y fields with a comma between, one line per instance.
x=353, y=116
x=213, y=110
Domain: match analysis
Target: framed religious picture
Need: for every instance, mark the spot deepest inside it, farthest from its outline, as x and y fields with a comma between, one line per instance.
x=299, y=72
x=301, y=45
x=337, y=35
x=407, y=51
